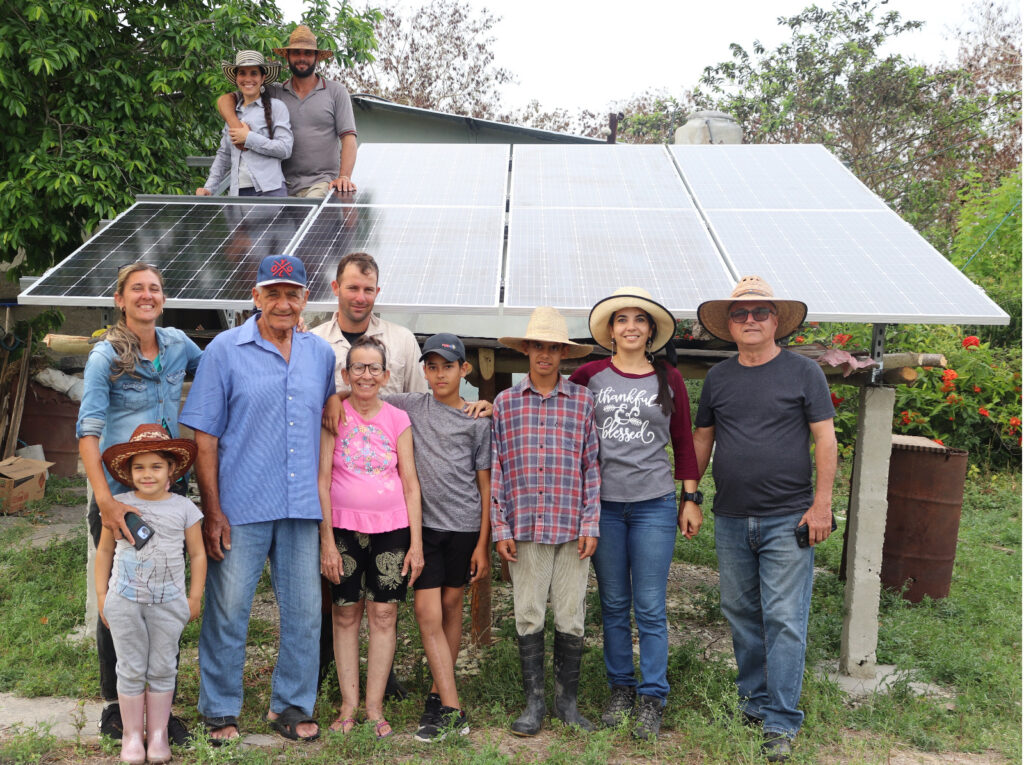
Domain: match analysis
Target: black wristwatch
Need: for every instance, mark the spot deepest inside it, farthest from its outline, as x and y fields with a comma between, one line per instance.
x=696, y=497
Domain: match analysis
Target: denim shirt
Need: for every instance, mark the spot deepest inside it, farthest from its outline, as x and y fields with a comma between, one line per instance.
x=112, y=409
x=265, y=154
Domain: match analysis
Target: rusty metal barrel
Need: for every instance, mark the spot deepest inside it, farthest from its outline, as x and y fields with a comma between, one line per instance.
x=926, y=494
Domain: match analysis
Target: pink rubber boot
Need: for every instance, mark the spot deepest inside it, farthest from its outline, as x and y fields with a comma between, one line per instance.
x=133, y=708
x=158, y=712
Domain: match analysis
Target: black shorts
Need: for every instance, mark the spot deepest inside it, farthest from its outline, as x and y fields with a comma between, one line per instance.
x=446, y=558
x=372, y=567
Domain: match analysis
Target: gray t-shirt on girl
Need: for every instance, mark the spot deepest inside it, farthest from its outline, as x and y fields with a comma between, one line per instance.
x=450, y=447
x=156, y=573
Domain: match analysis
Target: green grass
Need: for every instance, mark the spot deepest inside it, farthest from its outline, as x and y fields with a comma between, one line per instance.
x=968, y=643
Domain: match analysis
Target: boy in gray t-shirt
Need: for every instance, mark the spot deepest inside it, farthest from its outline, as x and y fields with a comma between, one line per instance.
x=453, y=462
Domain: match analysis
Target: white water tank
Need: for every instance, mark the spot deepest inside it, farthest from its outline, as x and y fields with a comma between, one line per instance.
x=709, y=127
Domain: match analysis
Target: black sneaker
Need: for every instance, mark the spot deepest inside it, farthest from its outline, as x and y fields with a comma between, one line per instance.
x=648, y=718
x=110, y=721
x=430, y=719
x=450, y=722
x=619, y=706
x=177, y=732
x=776, y=747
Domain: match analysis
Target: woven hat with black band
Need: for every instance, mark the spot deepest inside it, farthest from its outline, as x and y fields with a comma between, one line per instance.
x=547, y=325
x=631, y=297
x=250, y=58
x=149, y=438
x=302, y=38
x=714, y=314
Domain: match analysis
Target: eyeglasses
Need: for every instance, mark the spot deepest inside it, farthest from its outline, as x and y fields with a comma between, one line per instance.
x=739, y=316
x=358, y=369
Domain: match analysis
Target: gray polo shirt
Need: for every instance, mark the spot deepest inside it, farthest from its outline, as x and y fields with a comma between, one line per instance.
x=318, y=120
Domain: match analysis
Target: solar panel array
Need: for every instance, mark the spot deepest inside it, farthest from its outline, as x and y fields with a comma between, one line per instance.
x=683, y=221
x=797, y=217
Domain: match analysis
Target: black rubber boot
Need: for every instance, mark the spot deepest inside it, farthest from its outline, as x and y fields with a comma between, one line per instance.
x=568, y=655
x=531, y=659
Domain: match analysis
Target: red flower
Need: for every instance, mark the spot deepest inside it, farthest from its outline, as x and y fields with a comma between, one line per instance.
x=837, y=400
x=841, y=340
x=906, y=417
x=977, y=389
x=1015, y=421
x=983, y=411
x=800, y=339
x=971, y=341
x=948, y=386
x=951, y=399
x=949, y=374
x=938, y=441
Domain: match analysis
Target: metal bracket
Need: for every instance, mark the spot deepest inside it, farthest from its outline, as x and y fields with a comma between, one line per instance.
x=231, y=318
x=877, y=352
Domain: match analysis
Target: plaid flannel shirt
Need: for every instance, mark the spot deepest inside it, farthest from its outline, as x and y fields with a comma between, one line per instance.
x=545, y=478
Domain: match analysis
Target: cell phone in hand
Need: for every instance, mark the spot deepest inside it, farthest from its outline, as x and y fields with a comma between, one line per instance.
x=141, y=531
x=803, y=534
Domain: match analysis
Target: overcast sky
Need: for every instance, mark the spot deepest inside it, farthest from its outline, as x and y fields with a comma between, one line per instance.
x=572, y=54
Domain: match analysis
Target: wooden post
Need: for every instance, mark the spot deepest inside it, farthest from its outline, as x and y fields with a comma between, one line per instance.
x=480, y=592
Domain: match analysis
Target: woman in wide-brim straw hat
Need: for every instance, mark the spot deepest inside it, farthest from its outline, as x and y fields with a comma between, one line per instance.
x=641, y=406
x=714, y=314
x=266, y=133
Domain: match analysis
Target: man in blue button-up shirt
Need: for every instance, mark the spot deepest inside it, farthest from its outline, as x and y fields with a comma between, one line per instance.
x=255, y=406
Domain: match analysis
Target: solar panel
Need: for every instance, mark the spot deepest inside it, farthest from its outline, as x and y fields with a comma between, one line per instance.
x=772, y=177
x=443, y=258
x=852, y=266
x=207, y=251
x=620, y=176
x=430, y=174
x=572, y=258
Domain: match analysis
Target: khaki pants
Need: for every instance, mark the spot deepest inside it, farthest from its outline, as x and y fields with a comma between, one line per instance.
x=316, y=191
x=554, y=571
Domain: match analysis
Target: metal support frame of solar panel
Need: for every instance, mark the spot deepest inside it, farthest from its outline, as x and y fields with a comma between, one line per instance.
x=208, y=250
x=796, y=216
x=437, y=233
x=585, y=220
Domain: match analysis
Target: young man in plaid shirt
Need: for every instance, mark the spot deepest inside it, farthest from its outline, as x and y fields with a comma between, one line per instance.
x=545, y=508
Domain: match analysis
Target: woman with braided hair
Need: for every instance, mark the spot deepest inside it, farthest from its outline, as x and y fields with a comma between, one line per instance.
x=265, y=133
x=134, y=375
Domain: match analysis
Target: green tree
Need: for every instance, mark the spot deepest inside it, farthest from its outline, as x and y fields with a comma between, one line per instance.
x=104, y=99
x=908, y=131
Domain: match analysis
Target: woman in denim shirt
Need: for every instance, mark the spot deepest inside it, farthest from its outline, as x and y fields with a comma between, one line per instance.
x=133, y=376
x=265, y=133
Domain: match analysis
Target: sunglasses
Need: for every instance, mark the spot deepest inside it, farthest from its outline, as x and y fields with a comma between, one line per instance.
x=739, y=315
x=358, y=369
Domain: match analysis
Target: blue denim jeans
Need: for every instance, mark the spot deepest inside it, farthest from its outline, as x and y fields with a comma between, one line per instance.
x=765, y=580
x=632, y=563
x=293, y=546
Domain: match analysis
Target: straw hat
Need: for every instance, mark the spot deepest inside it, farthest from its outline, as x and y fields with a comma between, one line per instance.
x=714, y=314
x=149, y=438
x=250, y=58
x=302, y=38
x=547, y=326
x=631, y=297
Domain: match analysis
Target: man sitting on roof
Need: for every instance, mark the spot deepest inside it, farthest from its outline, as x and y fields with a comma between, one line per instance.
x=321, y=119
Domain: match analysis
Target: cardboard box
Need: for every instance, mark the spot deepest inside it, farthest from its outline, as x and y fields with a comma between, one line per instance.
x=21, y=481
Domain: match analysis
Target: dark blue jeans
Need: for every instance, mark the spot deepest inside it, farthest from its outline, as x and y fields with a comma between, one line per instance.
x=766, y=579
x=632, y=563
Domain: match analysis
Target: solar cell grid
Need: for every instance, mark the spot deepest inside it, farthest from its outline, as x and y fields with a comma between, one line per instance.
x=620, y=176
x=572, y=258
x=430, y=174
x=444, y=258
x=206, y=252
x=760, y=177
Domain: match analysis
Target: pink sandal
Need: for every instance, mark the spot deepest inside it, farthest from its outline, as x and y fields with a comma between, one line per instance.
x=343, y=726
x=380, y=724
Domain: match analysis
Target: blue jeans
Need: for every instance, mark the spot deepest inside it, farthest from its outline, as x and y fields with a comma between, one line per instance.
x=632, y=563
x=293, y=546
x=765, y=580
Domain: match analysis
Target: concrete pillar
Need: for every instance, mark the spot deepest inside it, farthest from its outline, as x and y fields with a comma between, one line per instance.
x=866, y=532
